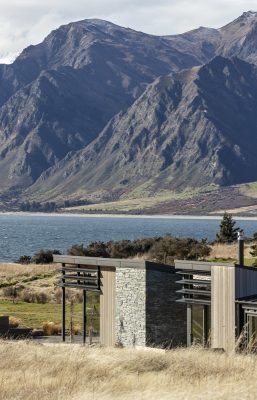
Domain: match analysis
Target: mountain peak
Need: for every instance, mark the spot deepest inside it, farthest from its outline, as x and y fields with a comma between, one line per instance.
x=88, y=81
x=249, y=14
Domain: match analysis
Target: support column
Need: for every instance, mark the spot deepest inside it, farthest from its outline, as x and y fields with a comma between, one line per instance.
x=189, y=325
x=63, y=304
x=63, y=314
x=84, y=333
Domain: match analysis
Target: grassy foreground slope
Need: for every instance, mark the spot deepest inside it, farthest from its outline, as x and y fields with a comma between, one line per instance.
x=70, y=372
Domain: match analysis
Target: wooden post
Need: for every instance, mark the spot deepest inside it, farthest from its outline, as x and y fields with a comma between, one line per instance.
x=84, y=333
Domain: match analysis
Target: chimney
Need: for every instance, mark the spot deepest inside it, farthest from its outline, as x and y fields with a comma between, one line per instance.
x=240, y=239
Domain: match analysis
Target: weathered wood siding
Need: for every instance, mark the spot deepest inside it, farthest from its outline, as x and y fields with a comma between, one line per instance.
x=223, y=308
x=107, y=306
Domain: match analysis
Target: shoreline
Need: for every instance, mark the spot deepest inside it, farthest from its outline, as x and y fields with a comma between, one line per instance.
x=126, y=216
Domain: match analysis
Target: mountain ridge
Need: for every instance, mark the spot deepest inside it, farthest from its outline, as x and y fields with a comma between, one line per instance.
x=62, y=97
x=153, y=138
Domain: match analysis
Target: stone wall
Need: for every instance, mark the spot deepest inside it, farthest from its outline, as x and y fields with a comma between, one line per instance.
x=130, y=318
x=146, y=308
x=166, y=320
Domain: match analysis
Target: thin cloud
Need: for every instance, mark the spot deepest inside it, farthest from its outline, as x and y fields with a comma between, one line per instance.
x=27, y=22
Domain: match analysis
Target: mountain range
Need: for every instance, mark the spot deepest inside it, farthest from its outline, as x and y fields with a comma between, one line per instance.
x=104, y=112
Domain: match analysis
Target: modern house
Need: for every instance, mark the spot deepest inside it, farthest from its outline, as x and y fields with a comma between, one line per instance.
x=221, y=302
x=137, y=300
x=149, y=304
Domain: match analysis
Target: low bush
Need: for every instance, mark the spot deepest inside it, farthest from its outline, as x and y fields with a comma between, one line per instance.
x=77, y=250
x=162, y=249
x=50, y=328
x=44, y=256
x=11, y=292
x=14, y=322
x=40, y=257
x=24, y=260
x=34, y=297
x=76, y=330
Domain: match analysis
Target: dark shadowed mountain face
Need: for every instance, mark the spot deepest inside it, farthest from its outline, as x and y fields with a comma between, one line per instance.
x=92, y=76
x=189, y=129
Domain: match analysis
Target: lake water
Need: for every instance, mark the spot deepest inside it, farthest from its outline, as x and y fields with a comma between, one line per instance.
x=22, y=234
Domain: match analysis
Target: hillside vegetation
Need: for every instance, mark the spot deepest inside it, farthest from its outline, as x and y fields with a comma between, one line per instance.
x=70, y=372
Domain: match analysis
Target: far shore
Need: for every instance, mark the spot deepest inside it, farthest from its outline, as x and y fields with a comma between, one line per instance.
x=143, y=216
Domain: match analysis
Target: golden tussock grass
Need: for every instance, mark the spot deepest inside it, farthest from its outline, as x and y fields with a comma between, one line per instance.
x=15, y=270
x=220, y=250
x=14, y=322
x=50, y=328
x=70, y=372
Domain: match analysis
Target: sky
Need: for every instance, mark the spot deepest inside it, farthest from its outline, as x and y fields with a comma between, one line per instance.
x=26, y=22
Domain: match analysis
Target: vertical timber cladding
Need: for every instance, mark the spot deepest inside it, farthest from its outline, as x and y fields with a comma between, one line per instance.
x=107, y=306
x=223, y=307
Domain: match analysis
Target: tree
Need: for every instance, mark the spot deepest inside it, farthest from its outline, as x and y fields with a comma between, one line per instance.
x=228, y=232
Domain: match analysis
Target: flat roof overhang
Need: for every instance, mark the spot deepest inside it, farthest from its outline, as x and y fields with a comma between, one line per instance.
x=112, y=262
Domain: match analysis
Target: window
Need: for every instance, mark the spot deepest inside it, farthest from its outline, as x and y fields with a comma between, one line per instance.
x=200, y=324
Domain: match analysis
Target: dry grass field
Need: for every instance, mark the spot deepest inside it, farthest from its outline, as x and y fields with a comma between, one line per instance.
x=224, y=251
x=13, y=269
x=70, y=372
x=38, y=280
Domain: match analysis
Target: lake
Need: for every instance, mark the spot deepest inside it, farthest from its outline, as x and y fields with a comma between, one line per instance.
x=25, y=234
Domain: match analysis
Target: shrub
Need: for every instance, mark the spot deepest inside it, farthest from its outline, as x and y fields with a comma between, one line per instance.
x=94, y=249
x=24, y=260
x=58, y=295
x=76, y=330
x=41, y=298
x=14, y=322
x=168, y=248
x=77, y=250
x=44, y=256
x=11, y=292
x=253, y=251
x=50, y=328
x=162, y=249
x=26, y=296
x=34, y=297
x=97, y=249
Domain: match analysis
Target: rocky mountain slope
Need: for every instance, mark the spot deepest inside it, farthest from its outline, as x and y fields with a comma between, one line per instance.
x=77, y=114
x=189, y=129
x=57, y=96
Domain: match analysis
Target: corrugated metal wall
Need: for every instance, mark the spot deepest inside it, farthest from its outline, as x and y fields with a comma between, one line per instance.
x=107, y=306
x=223, y=308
